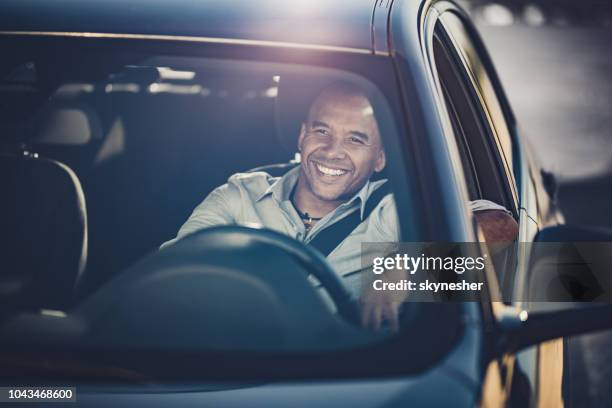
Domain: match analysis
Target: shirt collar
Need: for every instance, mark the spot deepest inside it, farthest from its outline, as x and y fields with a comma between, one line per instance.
x=282, y=187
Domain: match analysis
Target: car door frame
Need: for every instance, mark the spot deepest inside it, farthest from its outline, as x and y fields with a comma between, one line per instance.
x=524, y=193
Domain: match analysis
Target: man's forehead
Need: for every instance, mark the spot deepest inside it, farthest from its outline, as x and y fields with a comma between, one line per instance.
x=342, y=105
x=341, y=95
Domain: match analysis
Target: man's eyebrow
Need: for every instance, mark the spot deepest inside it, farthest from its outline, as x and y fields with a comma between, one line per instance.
x=316, y=123
x=362, y=135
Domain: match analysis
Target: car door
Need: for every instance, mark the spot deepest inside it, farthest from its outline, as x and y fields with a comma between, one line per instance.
x=495, y=168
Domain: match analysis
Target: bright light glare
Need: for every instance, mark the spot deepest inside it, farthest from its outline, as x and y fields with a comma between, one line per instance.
x=52, y=313
x=129, y=87
x=497, y=15
x=175, y=89
x=169, y=73
x=271, y=92
x=299, y=7
x=75, y=89
x=533, y=15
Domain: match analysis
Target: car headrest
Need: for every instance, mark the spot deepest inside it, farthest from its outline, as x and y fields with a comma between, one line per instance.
x=68, y=123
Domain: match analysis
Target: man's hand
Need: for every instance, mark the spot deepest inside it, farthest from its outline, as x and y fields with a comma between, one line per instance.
x=382, y=306
x=378, y=308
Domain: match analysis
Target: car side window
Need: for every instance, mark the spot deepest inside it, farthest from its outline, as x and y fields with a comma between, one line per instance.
x=463, y=120
x=483, y=162
x=483, y=175
x=479, y=123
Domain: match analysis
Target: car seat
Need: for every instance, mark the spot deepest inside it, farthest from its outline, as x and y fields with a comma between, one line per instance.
x=43, y=215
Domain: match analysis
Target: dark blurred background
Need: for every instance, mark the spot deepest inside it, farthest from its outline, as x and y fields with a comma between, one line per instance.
x=554, y=58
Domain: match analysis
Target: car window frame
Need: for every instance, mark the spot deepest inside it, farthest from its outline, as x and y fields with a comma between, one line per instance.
x=523, y=188
x=486, y=304
x=387, y=85
x=493, y=117
x=493, y=184
x=456, y=112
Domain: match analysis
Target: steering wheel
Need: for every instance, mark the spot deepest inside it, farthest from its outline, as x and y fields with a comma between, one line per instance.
x=242, y=245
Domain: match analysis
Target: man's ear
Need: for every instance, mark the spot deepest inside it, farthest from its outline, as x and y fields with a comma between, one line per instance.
x=301, y=137
x=381, y=161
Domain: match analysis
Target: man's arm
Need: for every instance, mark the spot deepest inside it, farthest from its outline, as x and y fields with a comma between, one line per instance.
x=218, y=208
x=498, y=226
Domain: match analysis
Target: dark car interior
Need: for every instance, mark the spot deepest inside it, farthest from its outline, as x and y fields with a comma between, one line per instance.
x=122, y=148
x=122, y=156
x=131, y=152
x=104, y=157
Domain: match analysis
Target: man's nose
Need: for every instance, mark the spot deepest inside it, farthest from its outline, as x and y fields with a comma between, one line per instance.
x=334, y=149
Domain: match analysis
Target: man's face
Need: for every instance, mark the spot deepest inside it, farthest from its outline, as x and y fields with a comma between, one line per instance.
x=340, y=145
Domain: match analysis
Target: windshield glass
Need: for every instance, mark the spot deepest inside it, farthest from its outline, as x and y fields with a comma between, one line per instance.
x=129, y=170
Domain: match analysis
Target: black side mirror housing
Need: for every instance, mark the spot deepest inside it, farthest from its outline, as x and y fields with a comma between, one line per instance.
x=569, y=288
x=519, y=329
x=574, y=233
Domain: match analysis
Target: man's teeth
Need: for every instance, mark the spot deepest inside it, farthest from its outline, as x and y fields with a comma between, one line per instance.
x=330, y=172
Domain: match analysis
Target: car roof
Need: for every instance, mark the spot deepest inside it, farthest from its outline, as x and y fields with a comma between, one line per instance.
x=331, y=23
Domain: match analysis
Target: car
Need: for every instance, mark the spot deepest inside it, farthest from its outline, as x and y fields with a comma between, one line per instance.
x=118, y=118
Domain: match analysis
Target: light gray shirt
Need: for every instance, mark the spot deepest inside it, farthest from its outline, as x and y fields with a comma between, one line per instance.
x=258, y=199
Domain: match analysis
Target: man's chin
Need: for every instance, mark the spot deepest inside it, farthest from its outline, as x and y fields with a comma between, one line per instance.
x=327, y=194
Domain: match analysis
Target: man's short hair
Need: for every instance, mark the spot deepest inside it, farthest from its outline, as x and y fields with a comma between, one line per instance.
x=343, y=89
x=294, y=101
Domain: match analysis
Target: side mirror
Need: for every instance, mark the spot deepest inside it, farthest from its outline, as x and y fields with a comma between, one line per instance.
x=570, y=264
x=519, y=329
x=569, y=288
x=574, y=233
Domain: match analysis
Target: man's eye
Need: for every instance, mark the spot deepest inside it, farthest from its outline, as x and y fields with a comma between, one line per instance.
x=355, y=139
x=322, y=132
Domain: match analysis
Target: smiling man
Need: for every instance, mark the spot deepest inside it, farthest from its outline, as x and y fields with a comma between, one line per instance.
x=328, y=197
x=341, y=148
x=329, y=201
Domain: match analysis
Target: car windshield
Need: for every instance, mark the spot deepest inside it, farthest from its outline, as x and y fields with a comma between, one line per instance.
x=117, y=163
